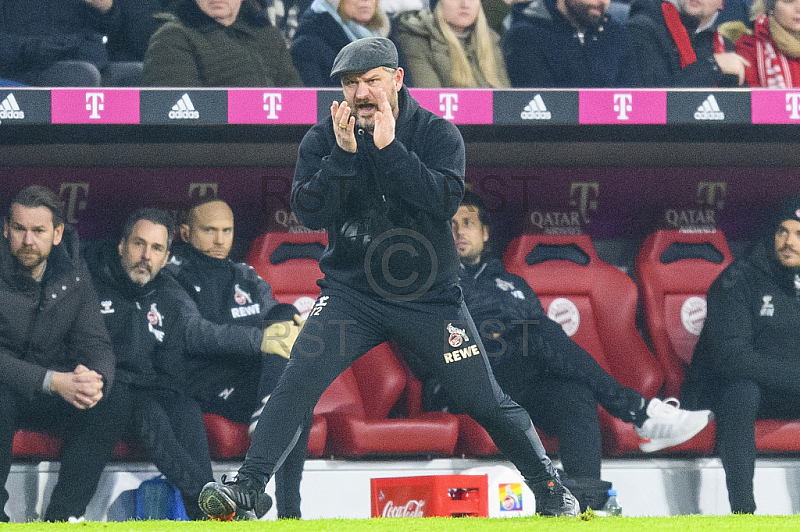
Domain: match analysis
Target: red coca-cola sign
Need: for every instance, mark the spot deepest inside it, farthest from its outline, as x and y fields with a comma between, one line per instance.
x=436, y=495
x=411, y=508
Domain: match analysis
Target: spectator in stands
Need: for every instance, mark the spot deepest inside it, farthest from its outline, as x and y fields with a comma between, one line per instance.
x=451, y=45
x=325, y=28
x=56, y=362
x=745, y=364
x=234, y=361
x=143, y=312
x=138, y=20
x=567, y=44
x=55, y=43
x=219, y=43
x=285, y=15
x=770, y=44
x=676, y=45
x=542, y=369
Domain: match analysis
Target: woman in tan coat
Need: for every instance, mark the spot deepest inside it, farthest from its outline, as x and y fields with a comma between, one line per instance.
x=451, y=45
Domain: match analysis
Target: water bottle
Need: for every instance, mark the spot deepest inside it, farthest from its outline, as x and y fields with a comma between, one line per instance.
x=611, y=508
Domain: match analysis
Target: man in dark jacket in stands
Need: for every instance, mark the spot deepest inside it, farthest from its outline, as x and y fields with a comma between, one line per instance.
x=238, y=336
x=541, y=368
x=745, y=365
x=143, y=312
x=56, y=363
x=55, y=43
x=567, y=44
x=676, y=45
x=218, y=43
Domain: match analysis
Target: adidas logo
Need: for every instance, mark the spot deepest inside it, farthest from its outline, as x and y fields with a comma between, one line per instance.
x=709, y=110
x=184, y=109
x=9, y=109
x=536, y=110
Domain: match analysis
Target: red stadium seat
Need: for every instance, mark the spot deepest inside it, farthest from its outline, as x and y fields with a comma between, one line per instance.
x=675, y=270
x=32, y=445
x=357, y=407
x=596, y=304
x=229, y=441
x=357, y=423
x=289, y=262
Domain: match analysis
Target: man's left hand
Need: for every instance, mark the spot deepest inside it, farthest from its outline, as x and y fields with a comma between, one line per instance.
x=383, y=135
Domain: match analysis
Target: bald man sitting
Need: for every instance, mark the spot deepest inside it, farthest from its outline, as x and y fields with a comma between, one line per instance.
x=240, y=337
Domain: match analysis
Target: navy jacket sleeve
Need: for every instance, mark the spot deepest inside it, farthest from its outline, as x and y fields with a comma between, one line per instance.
x=730, y=331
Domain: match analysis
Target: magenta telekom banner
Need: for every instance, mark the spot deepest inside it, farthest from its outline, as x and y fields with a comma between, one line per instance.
x=94, y=106
x=469, y=106
x=259, y=106
x=622, y=106
x=771, y=106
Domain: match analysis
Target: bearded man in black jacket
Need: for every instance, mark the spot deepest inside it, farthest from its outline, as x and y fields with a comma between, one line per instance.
x=745, y=365
x=384, y=176
x=143, y=310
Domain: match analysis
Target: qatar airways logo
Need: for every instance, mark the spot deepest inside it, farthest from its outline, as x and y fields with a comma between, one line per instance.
x=412, y=508
x=448, y=104
x=272, y=104
x=94, y=104
x=622, y=105
x=793, y=105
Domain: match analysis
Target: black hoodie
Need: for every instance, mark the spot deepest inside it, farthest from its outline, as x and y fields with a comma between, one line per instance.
x=144, y=322
x=387, y=211
x=752, y=328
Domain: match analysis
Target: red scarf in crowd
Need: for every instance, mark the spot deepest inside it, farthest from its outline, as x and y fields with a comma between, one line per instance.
x=681, y=37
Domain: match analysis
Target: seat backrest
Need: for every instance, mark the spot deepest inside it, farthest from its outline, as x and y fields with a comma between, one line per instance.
x=674, y=270
x=342, y=395
x=381, y=380
x=594, y=302
x=289, y=262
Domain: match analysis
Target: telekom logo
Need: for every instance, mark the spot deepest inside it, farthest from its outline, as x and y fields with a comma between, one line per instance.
x=793, y=105
x=448, y=104
x=94, y=103
x=272, y=104
x=622, y=105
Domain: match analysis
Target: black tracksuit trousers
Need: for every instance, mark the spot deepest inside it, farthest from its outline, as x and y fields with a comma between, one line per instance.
x=345, y=324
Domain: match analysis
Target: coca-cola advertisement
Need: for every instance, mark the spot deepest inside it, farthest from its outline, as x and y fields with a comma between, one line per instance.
x=437, y=495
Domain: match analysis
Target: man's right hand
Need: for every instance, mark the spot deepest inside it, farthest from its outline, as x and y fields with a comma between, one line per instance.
x=732, y=63
x=82, y=388
x=344, y=126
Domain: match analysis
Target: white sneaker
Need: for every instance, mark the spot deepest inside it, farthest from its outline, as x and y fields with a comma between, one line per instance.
x=75, y=520
x=254, y=418
x=667, y=425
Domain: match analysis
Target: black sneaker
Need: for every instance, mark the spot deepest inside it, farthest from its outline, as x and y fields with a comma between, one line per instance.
x=554, y=499
x=227, y=501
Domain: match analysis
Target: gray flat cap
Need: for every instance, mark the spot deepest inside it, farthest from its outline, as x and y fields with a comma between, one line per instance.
x=363, y=55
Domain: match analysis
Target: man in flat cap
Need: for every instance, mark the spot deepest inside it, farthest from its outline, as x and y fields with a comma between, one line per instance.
x=745, y=365
x=384, y=177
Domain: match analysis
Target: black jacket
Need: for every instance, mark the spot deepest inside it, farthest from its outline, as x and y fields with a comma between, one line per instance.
x=752, y=328
x=144, y=322
x=375, y=203
x=543, y=50
x=34, y=34
x=316, y=42
x=229, y=305
x=657, y=55
x=50, y=325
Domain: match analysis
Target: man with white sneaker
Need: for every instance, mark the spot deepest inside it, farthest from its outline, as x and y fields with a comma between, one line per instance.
x=542, y=369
